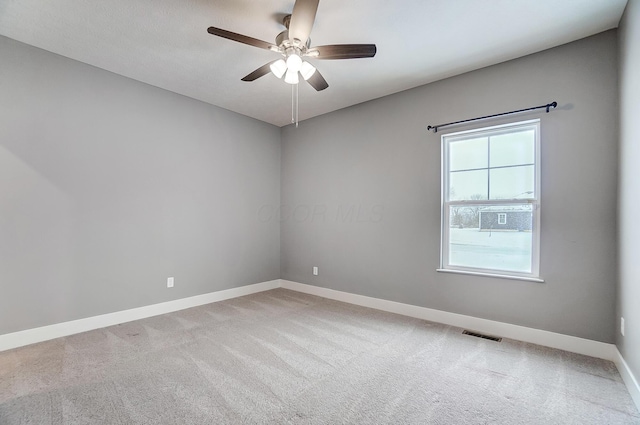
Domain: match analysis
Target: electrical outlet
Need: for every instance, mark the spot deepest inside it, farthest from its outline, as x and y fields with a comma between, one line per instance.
x=169, y=282
x=315, y=271
x=622, y=326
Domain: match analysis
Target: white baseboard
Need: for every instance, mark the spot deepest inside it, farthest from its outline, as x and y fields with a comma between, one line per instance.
x=535, y=336
x=627, y=376
x=521, y=333
x=45, y=333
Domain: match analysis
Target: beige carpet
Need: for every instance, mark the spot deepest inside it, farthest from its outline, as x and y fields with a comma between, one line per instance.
x=283, y=357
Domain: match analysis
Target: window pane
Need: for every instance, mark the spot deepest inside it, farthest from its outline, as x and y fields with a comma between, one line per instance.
x=486, y=244
x=468, y=154
x=512, y=183
x=466, y=217
x=465, y=185
x=512, y=149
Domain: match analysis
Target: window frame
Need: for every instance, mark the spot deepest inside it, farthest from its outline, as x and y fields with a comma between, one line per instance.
x=534, y=201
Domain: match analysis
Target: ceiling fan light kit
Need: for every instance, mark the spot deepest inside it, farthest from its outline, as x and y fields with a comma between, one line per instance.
x=278, y=68
x=294, y=62
x=291, y=77
x=294, y=44
x=307, y=70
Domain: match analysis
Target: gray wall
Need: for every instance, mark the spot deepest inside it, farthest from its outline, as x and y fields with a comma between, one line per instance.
x=108, y=186
x=377, y=161
x=629, y=218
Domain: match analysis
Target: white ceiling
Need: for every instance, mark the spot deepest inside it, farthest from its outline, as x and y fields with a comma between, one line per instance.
x=165, y=42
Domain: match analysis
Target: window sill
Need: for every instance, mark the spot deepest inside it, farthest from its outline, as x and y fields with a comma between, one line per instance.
x=500, y=276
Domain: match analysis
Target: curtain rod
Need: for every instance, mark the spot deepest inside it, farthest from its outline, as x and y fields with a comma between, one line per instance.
x=548, y=106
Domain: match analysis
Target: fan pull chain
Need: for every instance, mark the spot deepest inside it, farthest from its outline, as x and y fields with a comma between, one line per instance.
x=297, y=104
x=292, y=118
x=294, y=104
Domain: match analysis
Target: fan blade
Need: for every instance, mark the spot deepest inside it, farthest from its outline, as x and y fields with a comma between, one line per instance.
x=260, y=72
x=241, y=38
x=302, y=18
x=317, y=81
x=343, y=51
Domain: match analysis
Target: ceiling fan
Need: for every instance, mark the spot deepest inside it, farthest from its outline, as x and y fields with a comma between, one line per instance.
x=294, y=44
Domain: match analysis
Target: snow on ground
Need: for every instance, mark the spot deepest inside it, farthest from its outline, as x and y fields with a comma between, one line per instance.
x=501, y=250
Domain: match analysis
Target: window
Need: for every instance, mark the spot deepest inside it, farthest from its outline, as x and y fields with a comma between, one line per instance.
x=490, y=201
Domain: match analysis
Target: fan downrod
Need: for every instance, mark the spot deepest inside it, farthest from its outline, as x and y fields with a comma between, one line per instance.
x=282, y=39
x=286, y=21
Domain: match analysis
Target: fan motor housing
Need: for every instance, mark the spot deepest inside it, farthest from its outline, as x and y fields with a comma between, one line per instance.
x=282, y=40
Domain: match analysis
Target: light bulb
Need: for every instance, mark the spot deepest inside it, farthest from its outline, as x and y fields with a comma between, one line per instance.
x=278, y=68
x=294, y=63
x=291, y=77
x=307, y=70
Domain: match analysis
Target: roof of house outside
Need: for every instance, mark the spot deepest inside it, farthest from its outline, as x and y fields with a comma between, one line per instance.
x=507, y=208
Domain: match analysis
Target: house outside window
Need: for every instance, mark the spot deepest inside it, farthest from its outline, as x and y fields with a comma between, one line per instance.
x=491, y=201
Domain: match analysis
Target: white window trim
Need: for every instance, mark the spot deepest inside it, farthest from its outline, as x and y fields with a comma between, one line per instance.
x=445, y=226
x=502, y=218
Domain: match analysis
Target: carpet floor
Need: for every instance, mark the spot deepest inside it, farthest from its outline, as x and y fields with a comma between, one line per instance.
x=282, y=357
